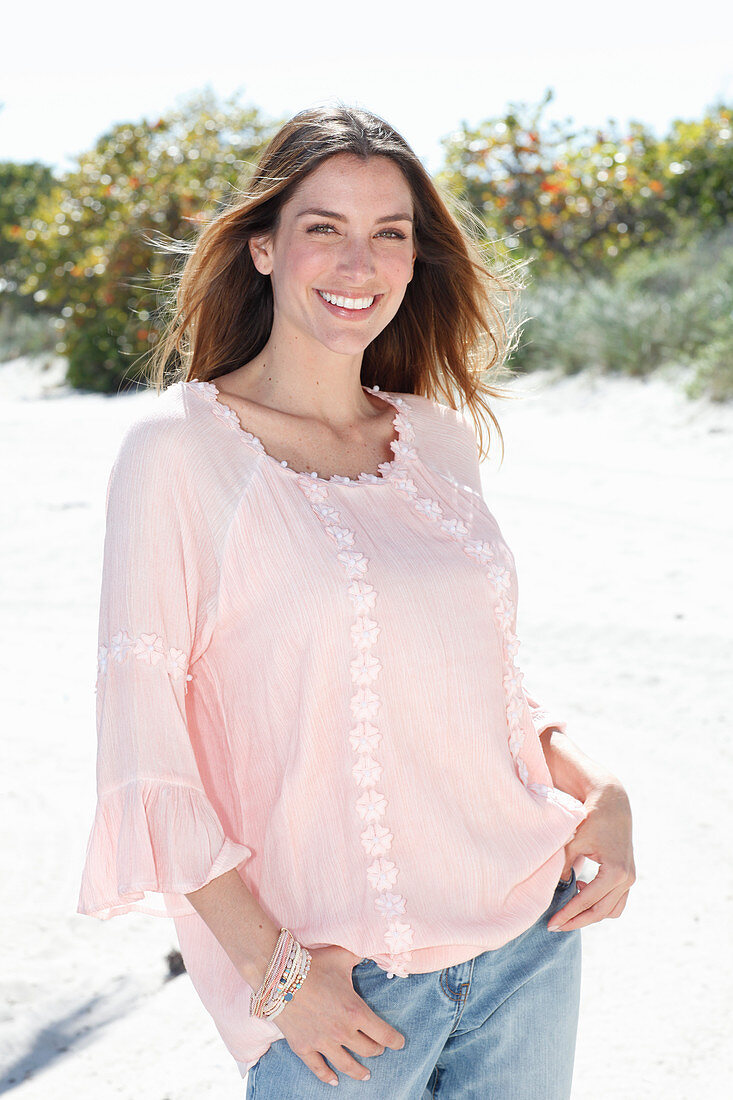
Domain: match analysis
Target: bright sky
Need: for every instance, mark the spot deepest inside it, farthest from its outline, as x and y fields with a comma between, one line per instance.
x=69, y=71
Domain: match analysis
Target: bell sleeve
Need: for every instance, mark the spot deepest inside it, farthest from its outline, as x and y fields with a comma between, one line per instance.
x=156, y=834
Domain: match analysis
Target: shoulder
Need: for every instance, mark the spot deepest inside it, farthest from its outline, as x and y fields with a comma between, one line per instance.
x=159, y=432
x=171, y=421
x=445, y=438
x=184, y=423
x=178, y=446
x=439, y=423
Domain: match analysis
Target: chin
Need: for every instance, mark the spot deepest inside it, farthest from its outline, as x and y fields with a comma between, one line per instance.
x=345, y=346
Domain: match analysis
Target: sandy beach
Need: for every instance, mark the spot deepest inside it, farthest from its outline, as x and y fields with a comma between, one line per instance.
x=616, y=496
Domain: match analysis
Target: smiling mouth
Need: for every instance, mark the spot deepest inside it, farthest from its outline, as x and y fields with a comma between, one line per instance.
x=354, y=305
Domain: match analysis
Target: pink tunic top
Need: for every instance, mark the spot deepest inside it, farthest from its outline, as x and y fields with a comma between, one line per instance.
x=314, y=680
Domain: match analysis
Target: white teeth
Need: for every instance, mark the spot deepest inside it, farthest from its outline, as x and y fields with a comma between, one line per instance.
x=346, y=303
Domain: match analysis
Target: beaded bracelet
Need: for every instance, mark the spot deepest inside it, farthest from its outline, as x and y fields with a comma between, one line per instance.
x=286, y=972
x=291, y=980
x=281, y=956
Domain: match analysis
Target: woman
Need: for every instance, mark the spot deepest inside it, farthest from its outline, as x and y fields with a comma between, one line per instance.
x=316, y=752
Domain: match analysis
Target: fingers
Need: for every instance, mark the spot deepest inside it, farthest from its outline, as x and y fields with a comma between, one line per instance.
x=354, y=1033
x=365, y=1045
x=329, y=1023
x=361, y=1031
x=620, y=906
x=605, y=896
x=581, y=910
x=370, y=1040
x=379, y=1030
x=341, y=1059
x=317, y=1065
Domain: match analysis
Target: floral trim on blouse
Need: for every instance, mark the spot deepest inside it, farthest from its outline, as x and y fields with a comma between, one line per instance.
x=224, y=412
x=505, y=613
x=150, y=649
x=400, y=446
x=371, y=804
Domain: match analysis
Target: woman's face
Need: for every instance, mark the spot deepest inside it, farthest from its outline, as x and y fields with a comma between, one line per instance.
x=345, y=233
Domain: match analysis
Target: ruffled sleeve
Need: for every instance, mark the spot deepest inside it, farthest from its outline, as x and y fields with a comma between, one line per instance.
x=156, y=834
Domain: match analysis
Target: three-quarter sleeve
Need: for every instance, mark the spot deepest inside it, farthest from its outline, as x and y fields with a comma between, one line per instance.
x=156, y=834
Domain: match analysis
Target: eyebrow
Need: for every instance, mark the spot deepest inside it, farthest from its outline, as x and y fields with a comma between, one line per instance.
x=342, y=218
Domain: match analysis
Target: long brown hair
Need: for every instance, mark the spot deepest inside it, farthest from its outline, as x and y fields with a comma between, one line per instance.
x=452, y=333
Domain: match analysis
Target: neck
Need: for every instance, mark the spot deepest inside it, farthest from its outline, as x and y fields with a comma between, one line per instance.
x=326, y=388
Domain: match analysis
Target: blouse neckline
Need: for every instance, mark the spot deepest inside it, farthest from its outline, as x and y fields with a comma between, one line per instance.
x=401, y=445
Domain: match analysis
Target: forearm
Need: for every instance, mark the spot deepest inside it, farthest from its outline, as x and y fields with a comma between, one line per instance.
x=241, y=926
x=571, y=770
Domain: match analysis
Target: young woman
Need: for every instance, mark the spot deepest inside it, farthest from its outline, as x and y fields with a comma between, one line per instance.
x=316, y=751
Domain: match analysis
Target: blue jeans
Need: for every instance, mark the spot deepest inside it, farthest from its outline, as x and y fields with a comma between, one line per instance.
x=500, y=1026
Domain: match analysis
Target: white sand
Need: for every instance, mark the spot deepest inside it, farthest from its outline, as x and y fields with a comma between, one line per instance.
x=616, y=498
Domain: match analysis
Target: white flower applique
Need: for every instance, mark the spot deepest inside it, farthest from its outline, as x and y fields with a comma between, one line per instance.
x=367, y=771
x=499, y=576
x=401, y=446
x=150, y=649
x=364, y=736
x=224, y=412
x=382, y=873
x=377, y=841
x=390, y=905
x=120, y=646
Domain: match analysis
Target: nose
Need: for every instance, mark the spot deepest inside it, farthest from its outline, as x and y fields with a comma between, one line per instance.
x=356, y=261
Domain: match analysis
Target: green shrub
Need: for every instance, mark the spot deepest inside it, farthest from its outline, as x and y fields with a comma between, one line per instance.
x=90, y=248
x=714, y=371
x=663, y=307
x=25, y=333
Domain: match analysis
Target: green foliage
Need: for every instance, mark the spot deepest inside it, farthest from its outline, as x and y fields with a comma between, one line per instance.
x=667, y=306
x=88, y=246
x=25, y=333
x=625, y=234
x=714, y=371
x=698, y=159
x=25, y=325
x=21, y=187
x=578, y=201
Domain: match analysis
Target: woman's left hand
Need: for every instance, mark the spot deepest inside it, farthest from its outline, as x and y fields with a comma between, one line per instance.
x=605, y=837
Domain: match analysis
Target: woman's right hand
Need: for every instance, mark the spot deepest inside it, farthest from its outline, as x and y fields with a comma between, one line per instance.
x=327, y=1014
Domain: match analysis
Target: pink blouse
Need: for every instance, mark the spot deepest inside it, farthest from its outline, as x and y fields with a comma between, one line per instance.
x=315, y=680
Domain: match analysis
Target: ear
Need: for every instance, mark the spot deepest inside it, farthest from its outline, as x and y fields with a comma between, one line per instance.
x=260, y=249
